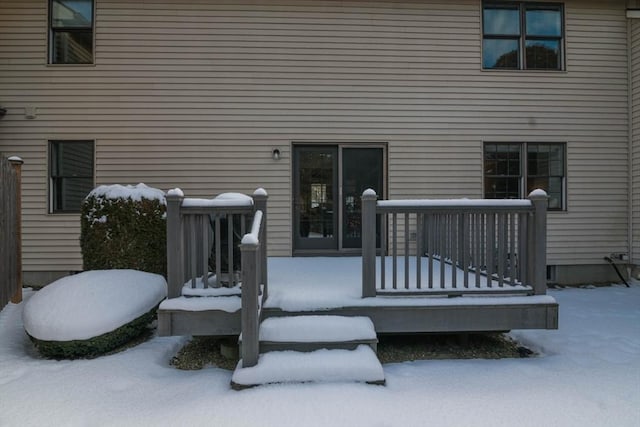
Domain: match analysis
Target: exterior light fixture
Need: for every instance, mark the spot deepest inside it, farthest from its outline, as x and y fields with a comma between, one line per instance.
x=3, y=112
x=275, y=154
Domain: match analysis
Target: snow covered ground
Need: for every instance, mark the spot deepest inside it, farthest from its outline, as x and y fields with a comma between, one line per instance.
x=588, y=375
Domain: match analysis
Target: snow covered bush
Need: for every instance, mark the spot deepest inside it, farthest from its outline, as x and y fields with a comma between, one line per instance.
x=124, y=227
x=92, y=313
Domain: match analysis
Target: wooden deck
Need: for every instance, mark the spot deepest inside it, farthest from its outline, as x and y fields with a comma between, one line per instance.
x=300, y=286
x=472, y=266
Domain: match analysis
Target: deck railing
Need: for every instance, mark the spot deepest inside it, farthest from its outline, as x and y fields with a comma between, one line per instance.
x=197, y=241
x=455, y=247
x=252, y=277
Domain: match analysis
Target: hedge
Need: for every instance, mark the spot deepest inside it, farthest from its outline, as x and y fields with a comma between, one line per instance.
x=123, y=233
x=95, y=346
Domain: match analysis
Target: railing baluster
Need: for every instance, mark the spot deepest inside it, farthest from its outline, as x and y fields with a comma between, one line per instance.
x=193, y=250
x=419, y=238
x=491, y=238
x=231, y=277
x=430, y=245
x=466, y=247
x=512, y=252
x=218, y=244
x=523, y=258
x=383, y=246
x=478, y=248
x=204, y=231
x=501, y=249
x=453, y=223
x=395, y=250
x=443, y=245
x=406, y=251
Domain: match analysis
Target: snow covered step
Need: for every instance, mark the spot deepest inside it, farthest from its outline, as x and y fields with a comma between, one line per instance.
x=359, y=365
x=309, y=333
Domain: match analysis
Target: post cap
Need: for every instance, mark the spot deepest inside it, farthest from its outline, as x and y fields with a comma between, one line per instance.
x=175, y=193
x=16, y=160
x=369, y=193
x=260, y=192
x=538, y=194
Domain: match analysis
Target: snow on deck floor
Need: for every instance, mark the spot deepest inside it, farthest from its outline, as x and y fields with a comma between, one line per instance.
x=588, y=375
x=298, y=284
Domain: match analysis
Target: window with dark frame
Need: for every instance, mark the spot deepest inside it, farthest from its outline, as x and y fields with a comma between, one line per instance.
x=522, y=35
x=71, y=31
x=71, y=170
x=513, y=170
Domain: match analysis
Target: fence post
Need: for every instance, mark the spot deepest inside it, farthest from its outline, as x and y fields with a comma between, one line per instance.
x=175, y=254
x=260, y=197
x=17, y=162
x=249, y=315
x=369, y=201
x=540, y=200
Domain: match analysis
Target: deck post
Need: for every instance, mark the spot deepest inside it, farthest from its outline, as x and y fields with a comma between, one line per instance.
x=16, y=163
x=540, y=201
x=175, y=254
x=249, y=315
x=369, y=200
x=260, y=197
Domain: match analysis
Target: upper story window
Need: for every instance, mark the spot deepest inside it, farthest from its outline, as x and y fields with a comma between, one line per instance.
x=522, y=36
x=71, y=174
x=70, y=31
x=513, y=170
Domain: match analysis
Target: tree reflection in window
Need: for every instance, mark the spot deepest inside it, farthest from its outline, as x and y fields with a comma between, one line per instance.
x=522, y=36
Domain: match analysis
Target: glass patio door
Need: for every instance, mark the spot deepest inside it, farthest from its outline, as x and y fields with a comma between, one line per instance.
x=328, y=182
x=315, y=197
x=362, y=168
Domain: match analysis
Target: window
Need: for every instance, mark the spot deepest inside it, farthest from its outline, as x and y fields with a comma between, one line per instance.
x=71, y=31
x=511, y=28
x=513, y=170
x=71, y=174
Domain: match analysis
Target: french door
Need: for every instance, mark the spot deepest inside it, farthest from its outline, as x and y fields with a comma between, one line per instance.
x=328, y=182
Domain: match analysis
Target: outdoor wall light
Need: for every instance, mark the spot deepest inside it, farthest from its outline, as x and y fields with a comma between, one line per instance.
x=3, y=111
x=275, y=154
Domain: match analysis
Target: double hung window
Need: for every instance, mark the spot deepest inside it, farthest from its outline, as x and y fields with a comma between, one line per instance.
x=71, y=166
x=513, y=170
x=71, y=31
x=522, y=36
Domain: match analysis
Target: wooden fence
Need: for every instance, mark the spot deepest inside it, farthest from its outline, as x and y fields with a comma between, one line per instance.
x=458, y=246
x=10, y=231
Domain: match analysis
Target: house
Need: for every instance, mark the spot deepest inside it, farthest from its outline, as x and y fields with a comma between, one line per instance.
x=316, y=101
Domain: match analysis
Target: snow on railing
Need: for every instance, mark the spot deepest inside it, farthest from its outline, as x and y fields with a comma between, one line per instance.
x=455, y=247
x=203, y=237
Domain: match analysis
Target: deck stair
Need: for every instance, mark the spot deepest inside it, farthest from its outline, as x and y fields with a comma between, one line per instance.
x=313, y=348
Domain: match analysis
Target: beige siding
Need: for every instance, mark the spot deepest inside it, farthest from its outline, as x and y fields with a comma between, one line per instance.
x=635, y=99
x=196, y=94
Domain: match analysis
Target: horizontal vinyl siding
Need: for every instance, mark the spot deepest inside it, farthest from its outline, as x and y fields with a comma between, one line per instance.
x=196, y=95
x=635, y=152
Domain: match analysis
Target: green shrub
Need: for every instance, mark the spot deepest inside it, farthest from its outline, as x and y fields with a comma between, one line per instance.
x=120, y=229
x=95, y=346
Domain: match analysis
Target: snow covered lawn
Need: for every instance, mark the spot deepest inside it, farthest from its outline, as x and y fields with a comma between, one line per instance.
x=588, y=375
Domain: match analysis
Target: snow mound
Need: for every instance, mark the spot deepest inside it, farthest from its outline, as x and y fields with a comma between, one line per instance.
x=136, y=193
x=91, y=303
